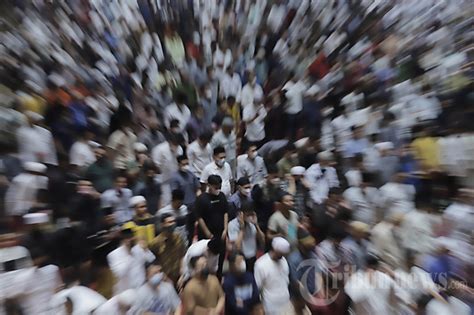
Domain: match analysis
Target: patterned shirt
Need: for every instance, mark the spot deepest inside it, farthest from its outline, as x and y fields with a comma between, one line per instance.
x=169, y=251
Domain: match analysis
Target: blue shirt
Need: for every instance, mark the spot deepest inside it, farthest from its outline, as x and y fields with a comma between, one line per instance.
x=242, y=288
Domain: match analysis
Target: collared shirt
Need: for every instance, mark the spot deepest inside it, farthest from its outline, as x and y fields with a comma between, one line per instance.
x=22, y=193
x=199, y=157
x=35, y=144
x=169, y=251
x=188, y=183
x=165, y=159
x=249, y=241
x=119, y=202
x=231, y=86
x=129, y=266
x=295, y=97
x=180, y=113
x=228, y=142
x=363, y=203
x=255, y=129
x=181, y=215
x=249, y=92
x=255, y=169
x=320, y=182
x=225, y=172
x=122, y=142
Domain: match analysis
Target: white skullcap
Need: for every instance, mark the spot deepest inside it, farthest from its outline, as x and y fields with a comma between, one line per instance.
x=384, y=146
x=127, y=297
x=281, y=245
x=297, y=170
x=33, y=116
x=313, y=90
x=325, y=156
x=35, y=218
x=140, y=147
x=35, y=167
x=135, y=200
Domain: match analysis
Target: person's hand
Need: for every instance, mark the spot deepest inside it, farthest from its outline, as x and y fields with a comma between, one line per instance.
x=254, y=219
x=241, y=219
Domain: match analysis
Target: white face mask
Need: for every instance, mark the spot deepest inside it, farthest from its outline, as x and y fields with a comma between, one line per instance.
x=242, y=267
x=216, y=192
x=220, y=162
x=185, y=168
x=252, y=155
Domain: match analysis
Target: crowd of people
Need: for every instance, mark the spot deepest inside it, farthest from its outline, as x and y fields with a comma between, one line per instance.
x=236, y=157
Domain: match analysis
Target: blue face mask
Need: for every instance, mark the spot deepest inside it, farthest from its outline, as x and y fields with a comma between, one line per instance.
x=156, y=279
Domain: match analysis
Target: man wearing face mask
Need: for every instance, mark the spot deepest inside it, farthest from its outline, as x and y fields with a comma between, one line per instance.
x=203, y=294
x=226, y=138
x=156, y=296
x=212, y=214
x=252, y=166
x=220, y=168
x=241, y=291
x=179, y=211
x=272, y=277
x=127, y=262
x=250, y=90
x=240, y=196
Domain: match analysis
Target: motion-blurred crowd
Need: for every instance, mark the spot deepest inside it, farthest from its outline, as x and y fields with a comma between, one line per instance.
x=236, y=157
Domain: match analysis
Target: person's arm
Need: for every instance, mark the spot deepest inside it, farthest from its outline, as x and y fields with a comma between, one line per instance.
x=260, y=234
x=221, y=303
x=226, y=221
x=189, y=303
x=201, y=222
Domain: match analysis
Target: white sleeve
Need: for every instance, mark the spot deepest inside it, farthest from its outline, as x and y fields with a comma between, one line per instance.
x=143, y=255
x=259, y=275
x=204, y=175
x=119, y=265
x=233, y=232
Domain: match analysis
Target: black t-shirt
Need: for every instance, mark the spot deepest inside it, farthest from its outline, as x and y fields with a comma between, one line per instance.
x=211, y=209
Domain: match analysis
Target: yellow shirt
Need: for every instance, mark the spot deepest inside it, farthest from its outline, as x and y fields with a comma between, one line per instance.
x=144, y=230
x=426, y=150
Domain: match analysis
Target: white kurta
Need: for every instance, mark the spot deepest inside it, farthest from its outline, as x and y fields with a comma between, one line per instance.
x=22, y=193
x=81, y=154
x=36, y=144
x=129, y=267
x=198, y=157
x=165, y=159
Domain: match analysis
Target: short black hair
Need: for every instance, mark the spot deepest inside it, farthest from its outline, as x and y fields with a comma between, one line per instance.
x=233, y=256
x=230, y=99
x=243, y=181
x=216, y=245
x=282, y=195
x=219, y=150
x=165, y=216
x=372, y=261
x=182, y=158
x=272, y=169
x=205, y=136
x=247, y=207
x=177, y=194
x=214, y=180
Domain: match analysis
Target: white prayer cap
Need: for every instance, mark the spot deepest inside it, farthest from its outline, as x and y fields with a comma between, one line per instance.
x=325, y=156
x=140, y=147
x=135, y=200
x=127, y=297
x=33, y=116
x=313, y=90
x=384, y=146
x=297, y=170
x=35, y=167
x=35, y=218
x=281, y=245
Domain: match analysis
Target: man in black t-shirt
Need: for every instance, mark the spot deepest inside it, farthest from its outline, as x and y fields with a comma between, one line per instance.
x=212, y=214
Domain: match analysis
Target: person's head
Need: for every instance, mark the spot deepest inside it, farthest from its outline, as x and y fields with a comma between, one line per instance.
x=290, y=151
x=371, y=262
x=180, y=98
x=205, y=138
x=252, y=152
x=214, y=183
x=325, y=158
x=120, y=181
x=280, y=248
x=367, y=180
x=227, y=125
x=219, y=156
x=273, y=178
x=149, y=169
x=84, y=186
x=243, y=186
x=297, y=172
x=175, y=130
x=183, y=163
x=200, y=267
x=237, y=263
x=215, y=246
x=138, y=204
x=99, y=153
x=127, y=238
x=286, y=201
x=168, y=223
x=306, y=243
x=248, y=211
x=230, y=101
x=154, y=274
x=177, y=198
x=336, y=234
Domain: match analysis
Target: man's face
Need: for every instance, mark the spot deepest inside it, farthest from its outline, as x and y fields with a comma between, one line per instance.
x=245, y=189
x=252, y=152
x=215, y=189
x=84, y=186
x=201, y=264
x=169, y=222
x=121, y=182
x=288, y=202
x=219, y=157
x=140, y=209
x=183, y=165
x=227, y=129
x=176, y=204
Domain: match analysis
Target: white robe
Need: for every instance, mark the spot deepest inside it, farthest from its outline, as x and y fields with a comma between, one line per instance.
x=22, y=193
x=36, y=144
x=129, y=267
